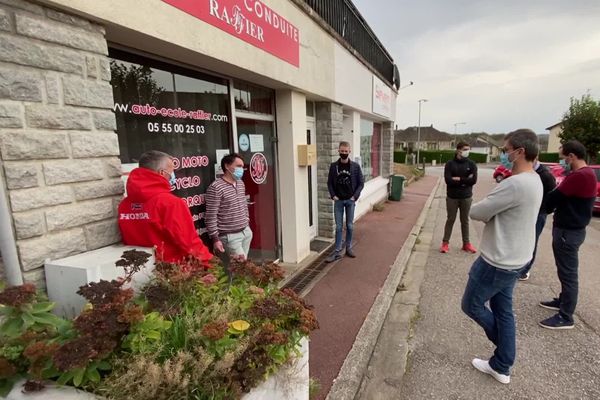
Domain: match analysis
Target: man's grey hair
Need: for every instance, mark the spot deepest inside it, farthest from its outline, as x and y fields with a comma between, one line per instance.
x=524, y=139
x=154, y=160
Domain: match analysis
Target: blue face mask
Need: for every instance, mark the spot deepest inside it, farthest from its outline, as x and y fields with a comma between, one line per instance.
x=172, y=179
x=504, y=160
x=238, y=173
x=563, y=163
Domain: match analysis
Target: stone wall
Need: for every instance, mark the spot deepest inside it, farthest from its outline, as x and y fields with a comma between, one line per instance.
x=58, y=147
x=387, y=149
x=329, y=127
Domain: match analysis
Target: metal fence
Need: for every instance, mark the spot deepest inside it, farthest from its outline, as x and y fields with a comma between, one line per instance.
x=345, y=19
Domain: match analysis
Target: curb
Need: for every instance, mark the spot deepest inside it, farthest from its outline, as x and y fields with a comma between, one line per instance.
x=347, y=384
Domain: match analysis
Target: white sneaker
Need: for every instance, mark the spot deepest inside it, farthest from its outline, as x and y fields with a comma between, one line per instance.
x=484, y=366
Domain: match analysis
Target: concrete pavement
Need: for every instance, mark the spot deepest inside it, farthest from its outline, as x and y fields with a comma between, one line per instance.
x=352, y=299
x=550, y=364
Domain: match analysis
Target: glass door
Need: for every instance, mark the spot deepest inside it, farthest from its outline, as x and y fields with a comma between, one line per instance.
x=311, y=138
x=256, y=145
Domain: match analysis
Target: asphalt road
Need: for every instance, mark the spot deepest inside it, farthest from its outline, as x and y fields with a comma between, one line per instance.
x=549, y=365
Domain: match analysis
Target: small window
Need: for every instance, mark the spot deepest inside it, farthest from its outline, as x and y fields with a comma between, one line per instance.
x=251, y=98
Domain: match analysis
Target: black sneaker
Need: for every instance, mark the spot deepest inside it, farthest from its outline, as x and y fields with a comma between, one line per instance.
x=350, y=253
x=553, y=304
x=333, y=257
x=557, y=322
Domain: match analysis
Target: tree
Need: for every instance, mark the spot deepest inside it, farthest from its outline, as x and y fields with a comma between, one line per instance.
x=582, y=122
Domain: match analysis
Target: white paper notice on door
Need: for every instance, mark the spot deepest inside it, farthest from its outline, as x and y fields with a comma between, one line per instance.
x=257, y=143
x=220, y=154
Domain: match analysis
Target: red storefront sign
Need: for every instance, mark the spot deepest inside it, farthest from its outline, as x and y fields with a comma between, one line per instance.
x=250, y=20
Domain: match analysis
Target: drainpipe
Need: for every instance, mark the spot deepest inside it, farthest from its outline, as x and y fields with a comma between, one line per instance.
x=8, y=247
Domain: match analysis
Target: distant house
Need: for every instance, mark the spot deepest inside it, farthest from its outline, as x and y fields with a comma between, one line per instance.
x=543, y=139
x=554, y=140
x=482, y=143
x=431, y=139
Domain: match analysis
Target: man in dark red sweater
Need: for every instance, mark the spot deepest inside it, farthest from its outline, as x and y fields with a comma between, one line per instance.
x=572, y=203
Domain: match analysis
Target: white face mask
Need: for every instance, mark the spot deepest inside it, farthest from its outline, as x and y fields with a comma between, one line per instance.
x=465, y=153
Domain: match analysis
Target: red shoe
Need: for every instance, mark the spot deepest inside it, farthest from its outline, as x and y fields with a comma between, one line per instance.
x=444, y=248
x=468, y=247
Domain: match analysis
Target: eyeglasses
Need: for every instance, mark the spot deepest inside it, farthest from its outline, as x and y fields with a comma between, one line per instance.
x=504, y=150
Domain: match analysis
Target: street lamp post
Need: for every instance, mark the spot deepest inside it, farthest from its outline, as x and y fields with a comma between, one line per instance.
x=458, y=123
x=419, y=132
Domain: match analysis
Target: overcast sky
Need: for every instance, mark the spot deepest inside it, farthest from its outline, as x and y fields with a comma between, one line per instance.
x=496, y=65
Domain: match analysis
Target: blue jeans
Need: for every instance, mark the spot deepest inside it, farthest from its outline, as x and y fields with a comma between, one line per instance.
x=488, y=283
x=338, y=208
x=539, y=227
x=565, y=245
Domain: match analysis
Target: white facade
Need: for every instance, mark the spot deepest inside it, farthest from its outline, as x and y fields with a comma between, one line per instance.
x=76, y=37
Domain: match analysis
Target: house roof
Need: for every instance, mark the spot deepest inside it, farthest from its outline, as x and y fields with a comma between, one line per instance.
x=428, y=134
x=554, y=126
x=481, y=139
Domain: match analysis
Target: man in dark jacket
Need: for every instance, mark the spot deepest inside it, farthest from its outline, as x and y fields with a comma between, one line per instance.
x=549, y=183
x=151, y=216
x=460, y=175
x=345, y=182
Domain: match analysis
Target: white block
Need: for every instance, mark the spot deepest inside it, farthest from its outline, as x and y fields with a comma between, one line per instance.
x=66, y=275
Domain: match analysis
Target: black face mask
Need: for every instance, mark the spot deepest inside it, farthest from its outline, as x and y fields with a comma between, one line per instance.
x=343, y=156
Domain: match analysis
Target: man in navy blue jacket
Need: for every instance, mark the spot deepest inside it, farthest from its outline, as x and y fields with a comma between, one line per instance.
x=345, y=182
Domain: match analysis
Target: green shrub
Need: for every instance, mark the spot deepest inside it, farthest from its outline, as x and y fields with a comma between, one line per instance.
x=443, y=156
x=399, y=157
x=548, y=157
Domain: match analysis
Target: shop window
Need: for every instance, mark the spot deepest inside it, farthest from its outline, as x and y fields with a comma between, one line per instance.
x=184, y=113
x=251, y=98
x=370, y=148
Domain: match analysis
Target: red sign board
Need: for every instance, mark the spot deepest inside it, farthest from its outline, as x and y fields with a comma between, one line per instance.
x=250, y=20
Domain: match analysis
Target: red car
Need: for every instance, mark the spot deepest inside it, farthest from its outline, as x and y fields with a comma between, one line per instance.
x=501, y=172
x=596, y=169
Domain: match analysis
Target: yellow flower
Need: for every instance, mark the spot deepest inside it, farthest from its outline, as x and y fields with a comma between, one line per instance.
x=240, y=325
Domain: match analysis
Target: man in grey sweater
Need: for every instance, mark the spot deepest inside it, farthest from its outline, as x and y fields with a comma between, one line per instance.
x=509, y=213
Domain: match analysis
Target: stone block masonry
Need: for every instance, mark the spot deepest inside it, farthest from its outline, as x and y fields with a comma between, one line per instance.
x=329, y=126
x=58, y=149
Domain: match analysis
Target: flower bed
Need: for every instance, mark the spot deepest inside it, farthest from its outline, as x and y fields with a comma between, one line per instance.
x=191, y=333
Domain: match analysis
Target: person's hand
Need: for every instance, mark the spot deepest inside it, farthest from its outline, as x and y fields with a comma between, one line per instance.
x=218, y=246
x=456, y=178
x=352, y=198
x=336, y=198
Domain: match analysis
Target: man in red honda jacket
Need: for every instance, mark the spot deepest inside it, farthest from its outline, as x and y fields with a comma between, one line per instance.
x=151, y=215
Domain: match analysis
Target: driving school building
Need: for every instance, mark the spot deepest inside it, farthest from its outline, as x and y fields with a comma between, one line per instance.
x=87, y=86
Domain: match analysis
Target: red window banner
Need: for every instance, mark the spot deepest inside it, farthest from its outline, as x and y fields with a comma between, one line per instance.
x=249, y=20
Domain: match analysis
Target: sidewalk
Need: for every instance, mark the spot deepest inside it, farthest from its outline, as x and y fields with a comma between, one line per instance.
x=344, y=296
x=549, y=365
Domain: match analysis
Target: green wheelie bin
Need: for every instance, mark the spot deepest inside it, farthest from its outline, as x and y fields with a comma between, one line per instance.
x=397, y=187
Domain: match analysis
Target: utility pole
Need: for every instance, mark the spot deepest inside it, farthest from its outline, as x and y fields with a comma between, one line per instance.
x=419, y=132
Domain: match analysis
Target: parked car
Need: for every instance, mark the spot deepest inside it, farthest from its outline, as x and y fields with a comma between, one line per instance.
x=596, y=169
x=501, y=172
